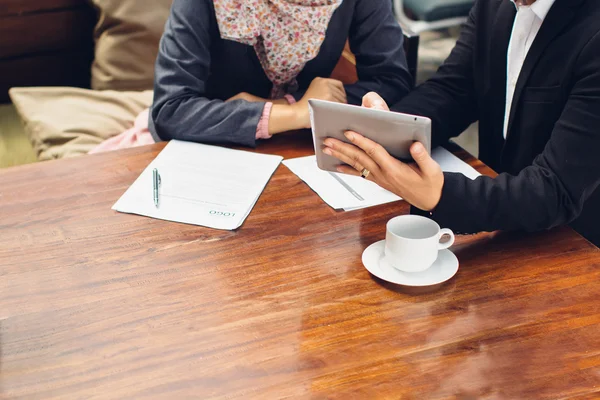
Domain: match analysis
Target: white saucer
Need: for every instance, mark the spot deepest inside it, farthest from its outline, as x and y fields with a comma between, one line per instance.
x=444, y=268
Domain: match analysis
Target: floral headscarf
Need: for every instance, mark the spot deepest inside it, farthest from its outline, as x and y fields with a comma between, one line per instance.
x=285, y=34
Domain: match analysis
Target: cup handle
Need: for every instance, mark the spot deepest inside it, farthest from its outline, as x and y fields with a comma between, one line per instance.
x=447, y=243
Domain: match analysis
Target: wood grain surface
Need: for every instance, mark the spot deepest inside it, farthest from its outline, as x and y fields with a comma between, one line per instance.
x=95, y=304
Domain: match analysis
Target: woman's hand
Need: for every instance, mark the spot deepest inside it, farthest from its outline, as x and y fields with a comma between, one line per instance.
x=255, y=99
x=289, y=117
x=321, y=89
x=420, y=184
x=248, y=97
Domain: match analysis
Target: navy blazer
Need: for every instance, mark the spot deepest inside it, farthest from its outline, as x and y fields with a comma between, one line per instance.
x=549, y=164
x=196, y=70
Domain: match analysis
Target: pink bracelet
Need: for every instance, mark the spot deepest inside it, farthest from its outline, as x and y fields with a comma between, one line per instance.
x=262, y=130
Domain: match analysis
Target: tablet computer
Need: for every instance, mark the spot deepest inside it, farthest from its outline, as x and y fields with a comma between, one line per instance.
x=396, y=132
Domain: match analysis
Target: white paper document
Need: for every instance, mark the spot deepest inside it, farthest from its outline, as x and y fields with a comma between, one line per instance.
x=450, y=163
x=353, y=192
x=201, y=185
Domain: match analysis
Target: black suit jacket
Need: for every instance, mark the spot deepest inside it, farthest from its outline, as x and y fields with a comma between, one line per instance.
x=549, y=164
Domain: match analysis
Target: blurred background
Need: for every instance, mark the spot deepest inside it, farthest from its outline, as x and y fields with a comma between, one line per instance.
x=53, y=42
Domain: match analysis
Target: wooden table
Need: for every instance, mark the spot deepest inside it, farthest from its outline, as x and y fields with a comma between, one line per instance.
x=100, y=305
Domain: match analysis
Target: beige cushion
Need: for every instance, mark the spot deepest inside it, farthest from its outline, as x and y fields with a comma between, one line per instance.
x=127, y=37
x=67, y=122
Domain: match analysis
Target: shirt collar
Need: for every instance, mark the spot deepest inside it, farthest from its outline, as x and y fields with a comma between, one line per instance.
x=540, y=7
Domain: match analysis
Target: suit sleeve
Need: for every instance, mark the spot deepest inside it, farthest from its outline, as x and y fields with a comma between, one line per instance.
x=449, y=97
x=181, y=108
x=553, y=189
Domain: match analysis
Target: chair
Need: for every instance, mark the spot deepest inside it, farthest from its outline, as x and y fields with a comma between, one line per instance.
x=431, y=14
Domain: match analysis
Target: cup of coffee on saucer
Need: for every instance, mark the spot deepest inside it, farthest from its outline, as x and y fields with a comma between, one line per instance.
x=414, y=253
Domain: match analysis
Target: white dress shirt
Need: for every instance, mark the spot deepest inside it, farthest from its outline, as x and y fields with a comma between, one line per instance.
x=526, y=27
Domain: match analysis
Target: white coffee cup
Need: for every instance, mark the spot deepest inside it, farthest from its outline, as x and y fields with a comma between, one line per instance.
x=412, y=242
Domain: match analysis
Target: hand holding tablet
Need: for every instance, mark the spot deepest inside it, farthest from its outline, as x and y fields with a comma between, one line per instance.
x=396, y=132
x=373, y=143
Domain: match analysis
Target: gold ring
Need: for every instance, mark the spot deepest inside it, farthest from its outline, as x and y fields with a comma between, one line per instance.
x=365, y=173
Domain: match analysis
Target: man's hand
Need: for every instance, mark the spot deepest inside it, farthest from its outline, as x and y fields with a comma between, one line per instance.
x=373, y=100
x=420, y=184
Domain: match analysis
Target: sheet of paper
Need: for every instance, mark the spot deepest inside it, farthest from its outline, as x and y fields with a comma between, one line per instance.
x=327, y=185
x=450, y=163
x=350, y=192
x=201, y=185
